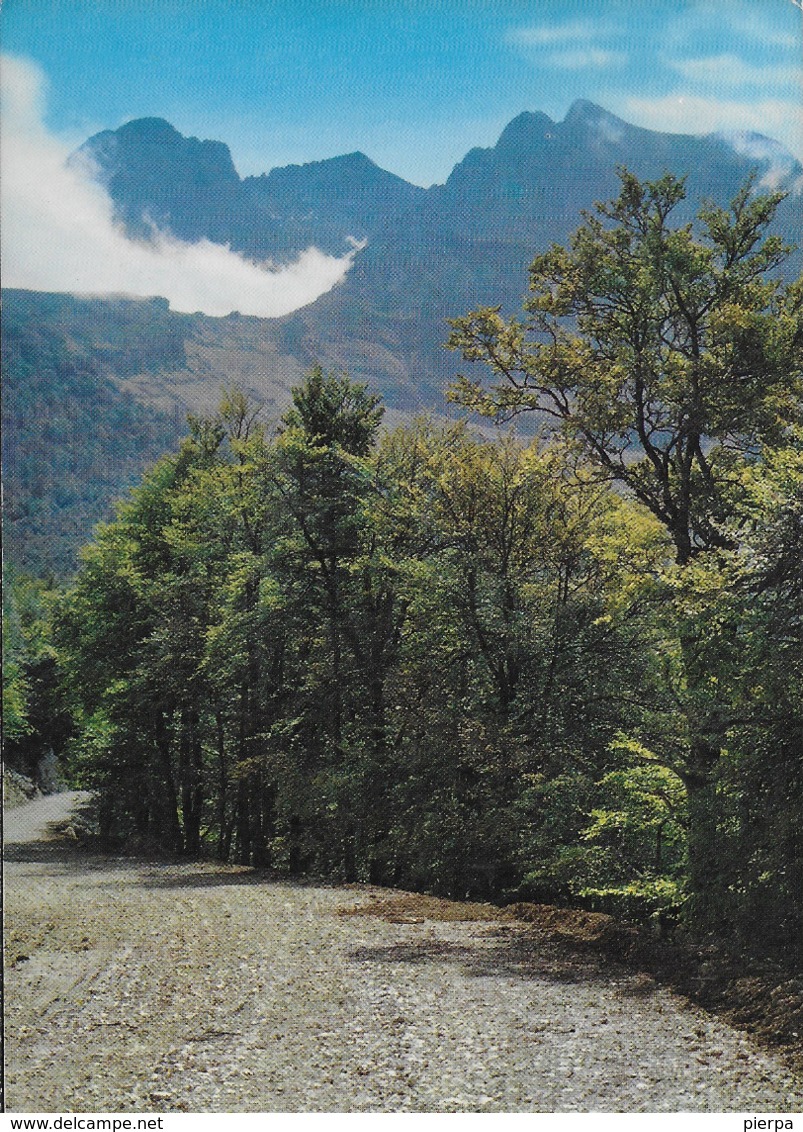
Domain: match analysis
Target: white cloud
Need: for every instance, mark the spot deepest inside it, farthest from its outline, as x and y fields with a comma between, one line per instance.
x=584, y=58
x=761, y=149
x=692, y=114
x=570, y=46
x=610, y=129
x=750, y=22
x=731, y=71
x=550, y=35
x=747, y=20
x=59, y=232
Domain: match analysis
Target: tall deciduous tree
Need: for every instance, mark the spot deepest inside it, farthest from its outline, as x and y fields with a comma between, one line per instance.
x=348, y=611
x=670, y=358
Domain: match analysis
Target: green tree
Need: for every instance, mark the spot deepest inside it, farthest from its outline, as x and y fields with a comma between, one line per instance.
x=342, y=614
x=131, y=634
x=670, y=359
x=763, y=776
x=509, y=667
x=37, y=714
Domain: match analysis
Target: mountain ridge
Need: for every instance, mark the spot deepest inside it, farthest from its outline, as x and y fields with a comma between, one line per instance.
x=431, y=254
x=582, y=113
x=260, y=215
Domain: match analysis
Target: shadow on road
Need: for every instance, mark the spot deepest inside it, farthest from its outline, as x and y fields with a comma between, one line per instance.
x=200, y=878
x=214, y=875
x=51, y=851
x=524, y=955
x=66, y=853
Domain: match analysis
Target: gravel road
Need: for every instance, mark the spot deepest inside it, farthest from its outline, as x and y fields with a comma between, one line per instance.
x=157, y=987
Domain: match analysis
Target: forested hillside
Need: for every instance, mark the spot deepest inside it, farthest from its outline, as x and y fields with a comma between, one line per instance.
x=564, y=670
x=73, y=439
x=95, y=390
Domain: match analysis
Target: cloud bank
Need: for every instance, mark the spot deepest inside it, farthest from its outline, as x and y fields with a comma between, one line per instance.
x=59, y=232
x=571, y=46
x=726, y=71
x=734, y=118
x=556, y=34
x=781, y=164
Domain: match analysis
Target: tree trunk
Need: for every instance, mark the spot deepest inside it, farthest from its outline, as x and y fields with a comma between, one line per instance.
x=190, y=756
x=707, y=905
x=223, y=785
x=169, y=824
x=242, y=825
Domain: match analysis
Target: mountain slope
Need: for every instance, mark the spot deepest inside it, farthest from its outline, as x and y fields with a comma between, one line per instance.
x=119, y=369
x=431, y=253
x=469, y=242
x=73, y=439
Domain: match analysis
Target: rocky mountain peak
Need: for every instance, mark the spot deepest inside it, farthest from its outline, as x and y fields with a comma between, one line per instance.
x=585, y=113
x=153, y=131
x=152, y=146
x=526, y=132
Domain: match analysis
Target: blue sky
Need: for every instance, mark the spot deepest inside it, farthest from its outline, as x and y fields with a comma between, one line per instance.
x=413, y=84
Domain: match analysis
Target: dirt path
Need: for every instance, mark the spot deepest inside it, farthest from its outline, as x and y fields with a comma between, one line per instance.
x=33, y=821
x=162, y=987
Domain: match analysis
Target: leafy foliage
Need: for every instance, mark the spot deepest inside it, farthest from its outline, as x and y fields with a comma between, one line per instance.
x=37, y=716
x=562, y=670
x=671, y=359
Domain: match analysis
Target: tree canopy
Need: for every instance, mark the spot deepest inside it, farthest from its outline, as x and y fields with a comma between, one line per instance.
x=667, y=355
x=565, y=669
x=671, y=359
